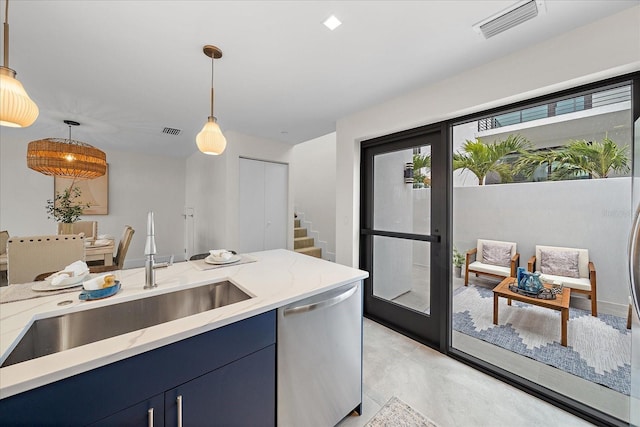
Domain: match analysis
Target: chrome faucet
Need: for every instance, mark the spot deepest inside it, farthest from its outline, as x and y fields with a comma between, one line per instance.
x=149, y=252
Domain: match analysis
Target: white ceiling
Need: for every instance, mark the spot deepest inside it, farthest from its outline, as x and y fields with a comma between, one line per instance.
x=126, y=69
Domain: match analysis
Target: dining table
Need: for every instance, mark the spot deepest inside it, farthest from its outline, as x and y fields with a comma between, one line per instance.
x=100, y=252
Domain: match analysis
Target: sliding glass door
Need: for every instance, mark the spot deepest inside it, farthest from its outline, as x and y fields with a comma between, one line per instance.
x=567, y=187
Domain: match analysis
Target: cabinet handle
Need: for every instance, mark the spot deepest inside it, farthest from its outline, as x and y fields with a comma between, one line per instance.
x=179, y=402
x=150, y=417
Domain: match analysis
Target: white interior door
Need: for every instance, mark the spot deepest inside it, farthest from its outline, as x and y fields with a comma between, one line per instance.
x=251, y=186
x=189, y=232
x=263, y=205
x=275, y=207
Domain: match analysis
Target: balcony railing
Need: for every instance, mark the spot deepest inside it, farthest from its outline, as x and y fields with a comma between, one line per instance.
x=557, y=108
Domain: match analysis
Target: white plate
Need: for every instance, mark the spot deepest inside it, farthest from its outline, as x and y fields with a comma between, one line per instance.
x=101, y=242
x=71, y=282
x=234, y=258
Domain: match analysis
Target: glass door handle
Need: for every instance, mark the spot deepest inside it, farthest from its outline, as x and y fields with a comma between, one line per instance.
x=634, y=261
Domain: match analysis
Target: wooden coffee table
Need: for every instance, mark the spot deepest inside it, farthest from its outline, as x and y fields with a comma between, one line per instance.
x=561, y=303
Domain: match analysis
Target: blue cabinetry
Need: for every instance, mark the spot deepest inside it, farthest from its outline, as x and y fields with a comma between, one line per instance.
x=149, y=412
x=233, y=365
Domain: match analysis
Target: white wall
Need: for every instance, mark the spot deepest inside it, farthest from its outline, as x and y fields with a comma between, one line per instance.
x=314, y=195
x=587, y=54
x=137, y=183
x=590, y=214
x=212, y=189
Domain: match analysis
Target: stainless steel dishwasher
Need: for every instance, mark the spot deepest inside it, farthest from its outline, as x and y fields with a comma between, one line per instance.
x=320, y=358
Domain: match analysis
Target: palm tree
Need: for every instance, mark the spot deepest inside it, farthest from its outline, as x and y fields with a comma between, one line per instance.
x=481, y=158
x=420, y=162
x=529, y=162
x=597, y=159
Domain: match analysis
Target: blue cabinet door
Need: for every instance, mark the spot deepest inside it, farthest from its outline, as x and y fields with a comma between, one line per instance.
x=241, y=394
x=147, y=413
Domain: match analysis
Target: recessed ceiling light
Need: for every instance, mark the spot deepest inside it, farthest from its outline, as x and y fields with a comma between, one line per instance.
x=332, y=23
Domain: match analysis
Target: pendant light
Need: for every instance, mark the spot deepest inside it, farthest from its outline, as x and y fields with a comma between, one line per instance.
x=16, y=108
x=66, y=158
x=210, y=140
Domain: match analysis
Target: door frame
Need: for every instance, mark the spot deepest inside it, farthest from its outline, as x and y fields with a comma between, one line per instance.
x=434, y=329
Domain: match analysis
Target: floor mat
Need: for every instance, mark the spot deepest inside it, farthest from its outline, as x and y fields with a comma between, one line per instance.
x=396, y=413
x=598, y=348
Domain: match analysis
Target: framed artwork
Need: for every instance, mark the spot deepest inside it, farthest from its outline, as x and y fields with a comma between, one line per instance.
x=95, y=192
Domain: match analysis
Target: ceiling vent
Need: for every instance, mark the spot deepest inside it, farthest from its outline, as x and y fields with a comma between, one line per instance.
x=510, y=17
x=171, y=131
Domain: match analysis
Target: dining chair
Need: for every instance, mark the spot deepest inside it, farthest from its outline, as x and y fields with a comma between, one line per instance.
x=121, y=253
x=27, y=257
x=89, y=228
x=4, y=236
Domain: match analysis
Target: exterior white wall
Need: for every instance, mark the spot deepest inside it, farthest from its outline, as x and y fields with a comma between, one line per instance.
x=587, y=54
x=588, y=214
x=212, y=189
x=313, y=172
x=393, y=211
x=422, y=225
x=137, y=183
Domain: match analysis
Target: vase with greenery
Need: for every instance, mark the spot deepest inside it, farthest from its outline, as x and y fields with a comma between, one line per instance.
x=458, y=260
x=65, y=208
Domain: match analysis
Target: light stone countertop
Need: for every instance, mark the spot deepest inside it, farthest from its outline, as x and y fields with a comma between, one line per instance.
x=277, y=278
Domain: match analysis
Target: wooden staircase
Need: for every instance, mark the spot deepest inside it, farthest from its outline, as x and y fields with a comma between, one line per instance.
x=302, y=243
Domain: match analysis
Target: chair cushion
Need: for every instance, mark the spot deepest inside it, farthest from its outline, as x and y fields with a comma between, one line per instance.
x=496, y=254
x=483, y=242
x=580, y=283
x=489, y=268
x=583, y=258
x=559, y=263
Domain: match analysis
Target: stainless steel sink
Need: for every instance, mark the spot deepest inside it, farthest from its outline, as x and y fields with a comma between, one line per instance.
x=54, y=334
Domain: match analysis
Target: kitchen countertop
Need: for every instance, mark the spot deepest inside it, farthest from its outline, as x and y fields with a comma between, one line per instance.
x=277, y=278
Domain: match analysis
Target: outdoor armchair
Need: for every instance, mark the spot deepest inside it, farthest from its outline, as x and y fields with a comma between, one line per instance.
x=569, y=266
x=492, y=258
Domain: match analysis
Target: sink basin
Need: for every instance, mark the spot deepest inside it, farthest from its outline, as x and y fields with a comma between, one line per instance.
x=58, y=333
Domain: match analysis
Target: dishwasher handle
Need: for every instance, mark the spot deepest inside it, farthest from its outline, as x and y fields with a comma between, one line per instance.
x=321, y=304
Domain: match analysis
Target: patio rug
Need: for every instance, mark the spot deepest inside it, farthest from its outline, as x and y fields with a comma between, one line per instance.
x=396, y=413
x=598, y=348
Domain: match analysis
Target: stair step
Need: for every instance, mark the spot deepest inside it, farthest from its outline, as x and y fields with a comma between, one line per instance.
x=299, y=232
x=311, y=251
x=303, y=242
x=296, y=223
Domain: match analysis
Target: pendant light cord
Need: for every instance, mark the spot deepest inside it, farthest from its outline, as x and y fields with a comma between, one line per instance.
x=6, y=34
x=212, y=85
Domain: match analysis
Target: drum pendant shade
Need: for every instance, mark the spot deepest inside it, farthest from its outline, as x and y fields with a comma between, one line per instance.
x=66, y=157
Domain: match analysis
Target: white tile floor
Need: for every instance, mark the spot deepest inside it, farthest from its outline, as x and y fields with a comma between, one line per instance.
x=444, y=390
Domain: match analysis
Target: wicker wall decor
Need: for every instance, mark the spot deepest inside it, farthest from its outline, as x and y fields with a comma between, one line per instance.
x=66, y=157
